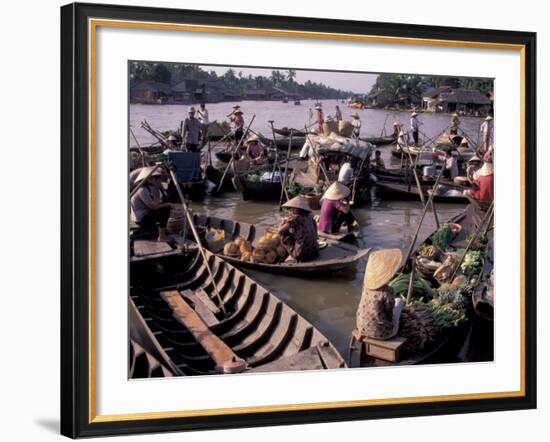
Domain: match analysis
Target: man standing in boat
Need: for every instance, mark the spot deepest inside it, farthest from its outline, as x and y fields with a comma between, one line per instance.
x=454, y=124
x=191, y=131
x=320, y=117
x=486, y=130
x=415, y=124
x=338, y=114
x=203, y=120
x=356, y=123
x=237, y=121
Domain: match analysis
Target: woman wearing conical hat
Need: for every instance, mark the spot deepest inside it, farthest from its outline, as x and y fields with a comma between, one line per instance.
x=454, y=124
x=147, y=210
x=375, y=314
x=335, y=210
x=483, y=187
x=298, y=231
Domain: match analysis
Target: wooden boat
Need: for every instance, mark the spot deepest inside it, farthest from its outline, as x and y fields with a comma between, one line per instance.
x=379, y=141
x=449, y=343
x=297, y=103
x=285, y=132
x=403, y=192
x=334, y=257
x=259, y=190
x=224, y=156
x=282, y=143
x=176, y=317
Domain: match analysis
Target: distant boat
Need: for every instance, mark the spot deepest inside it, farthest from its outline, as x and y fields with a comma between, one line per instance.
x=285, y=100
x=297, y=102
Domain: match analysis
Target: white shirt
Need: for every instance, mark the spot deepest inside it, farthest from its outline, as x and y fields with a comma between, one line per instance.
x=345, y=175
x=202, y=115
x=451, y=164
x=414, y=123
x=486, y=131
x=143, y=201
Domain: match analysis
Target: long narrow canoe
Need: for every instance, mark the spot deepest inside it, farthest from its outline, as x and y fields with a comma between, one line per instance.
x=259, y=328
x=379, y=141
x=403, y=192
x=335, y=256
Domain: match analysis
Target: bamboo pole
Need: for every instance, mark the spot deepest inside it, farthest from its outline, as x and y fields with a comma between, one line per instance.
x=139, y=147
x=198, y=240
x=411, y=247
x=235, y=150
x=411, y=283
x=284, y=183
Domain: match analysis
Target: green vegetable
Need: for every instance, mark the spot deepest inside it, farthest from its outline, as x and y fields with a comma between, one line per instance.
x=472, y=261
x=442, y=237
x=400, y=286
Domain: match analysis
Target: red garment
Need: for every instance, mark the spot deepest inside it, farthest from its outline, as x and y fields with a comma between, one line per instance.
x=485, y=188
x=238, y=121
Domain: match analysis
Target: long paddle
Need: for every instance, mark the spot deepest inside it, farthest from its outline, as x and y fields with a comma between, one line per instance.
x=197, y=239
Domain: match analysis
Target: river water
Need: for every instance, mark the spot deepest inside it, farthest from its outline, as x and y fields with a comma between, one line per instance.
x=328, y=302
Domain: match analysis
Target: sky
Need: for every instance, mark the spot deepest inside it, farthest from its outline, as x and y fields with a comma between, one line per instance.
x=355, y=82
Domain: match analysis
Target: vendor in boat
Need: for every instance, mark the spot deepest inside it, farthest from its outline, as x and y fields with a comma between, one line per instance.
x=450, y=168
x=335, y=209
x=237, y=122
x=255, y=150
x=375, y=314
x=191, y=131
x=486, y=132
x=454, y=124
x=378, y=162
x=171, y=143
x=415, y=127
x=483, y=187
x=472, y=171
x=402, y=141
x=298, y=231
x=320, y=117
x=147, y=210
x=356, y=123
x=338, y=114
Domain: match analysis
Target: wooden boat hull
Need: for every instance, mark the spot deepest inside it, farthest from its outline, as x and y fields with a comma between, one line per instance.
x=285, y=132
x=260, y=190
x=402, y=192
x=379, y=141
x=334, y=257
x=259, y=328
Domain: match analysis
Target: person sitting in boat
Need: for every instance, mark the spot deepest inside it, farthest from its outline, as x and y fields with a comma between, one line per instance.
x=356, y=123
x=147, y=209
x=450, y=168
x=378, y=162
x=472, y=171
x=375, y=314
x=402, y=141
x=320, y=117
x=335, y=209
x=454, y=124
x=298, y=231
x=483, y=187
x=255, y=150
x=171, y=143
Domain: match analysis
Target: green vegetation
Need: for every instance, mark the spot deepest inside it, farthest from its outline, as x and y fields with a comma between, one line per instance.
x=173, y=72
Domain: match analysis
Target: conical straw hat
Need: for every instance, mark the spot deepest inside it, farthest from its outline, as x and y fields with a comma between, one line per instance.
x=464, y=141
x=488, y=118
x=414, y=114
x=381, y=267
x=298, y=202
x=146, y=171
x=486, y=169
x=474, y=158
x=336, y=191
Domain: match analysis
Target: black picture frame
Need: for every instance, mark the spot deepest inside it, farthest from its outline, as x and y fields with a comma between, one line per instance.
x=75, y=219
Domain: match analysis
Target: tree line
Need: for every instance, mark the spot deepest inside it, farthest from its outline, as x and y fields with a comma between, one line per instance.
x=234, y=79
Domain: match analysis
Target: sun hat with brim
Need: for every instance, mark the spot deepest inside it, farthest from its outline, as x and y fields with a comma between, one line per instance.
x=455, y=115
x=298, y=202
x=488, y=118
x=486, y=170
x=252, y=139
x=414, y=114
x=381, y=268
x=337, y=191
x=172, y=138
x=145, y=171
x=318, y=107
x=474, y=158
x=396, y=123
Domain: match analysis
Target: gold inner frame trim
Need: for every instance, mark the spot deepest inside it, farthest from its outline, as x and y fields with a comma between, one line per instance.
x=93, y=24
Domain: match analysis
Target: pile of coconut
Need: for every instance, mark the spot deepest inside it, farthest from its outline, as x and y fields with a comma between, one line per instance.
x=269, y=249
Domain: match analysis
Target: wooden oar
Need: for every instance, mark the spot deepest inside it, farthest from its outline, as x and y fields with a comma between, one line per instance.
x=413, y=242
x=197, y=239
x=235, y=150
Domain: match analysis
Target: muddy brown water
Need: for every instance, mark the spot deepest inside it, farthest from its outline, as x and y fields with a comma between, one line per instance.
x=328, y=301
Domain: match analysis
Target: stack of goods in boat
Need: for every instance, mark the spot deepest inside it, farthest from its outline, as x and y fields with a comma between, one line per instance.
x=269, y=249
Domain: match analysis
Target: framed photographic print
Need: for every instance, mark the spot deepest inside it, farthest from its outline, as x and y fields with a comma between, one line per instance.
x=274, y=220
